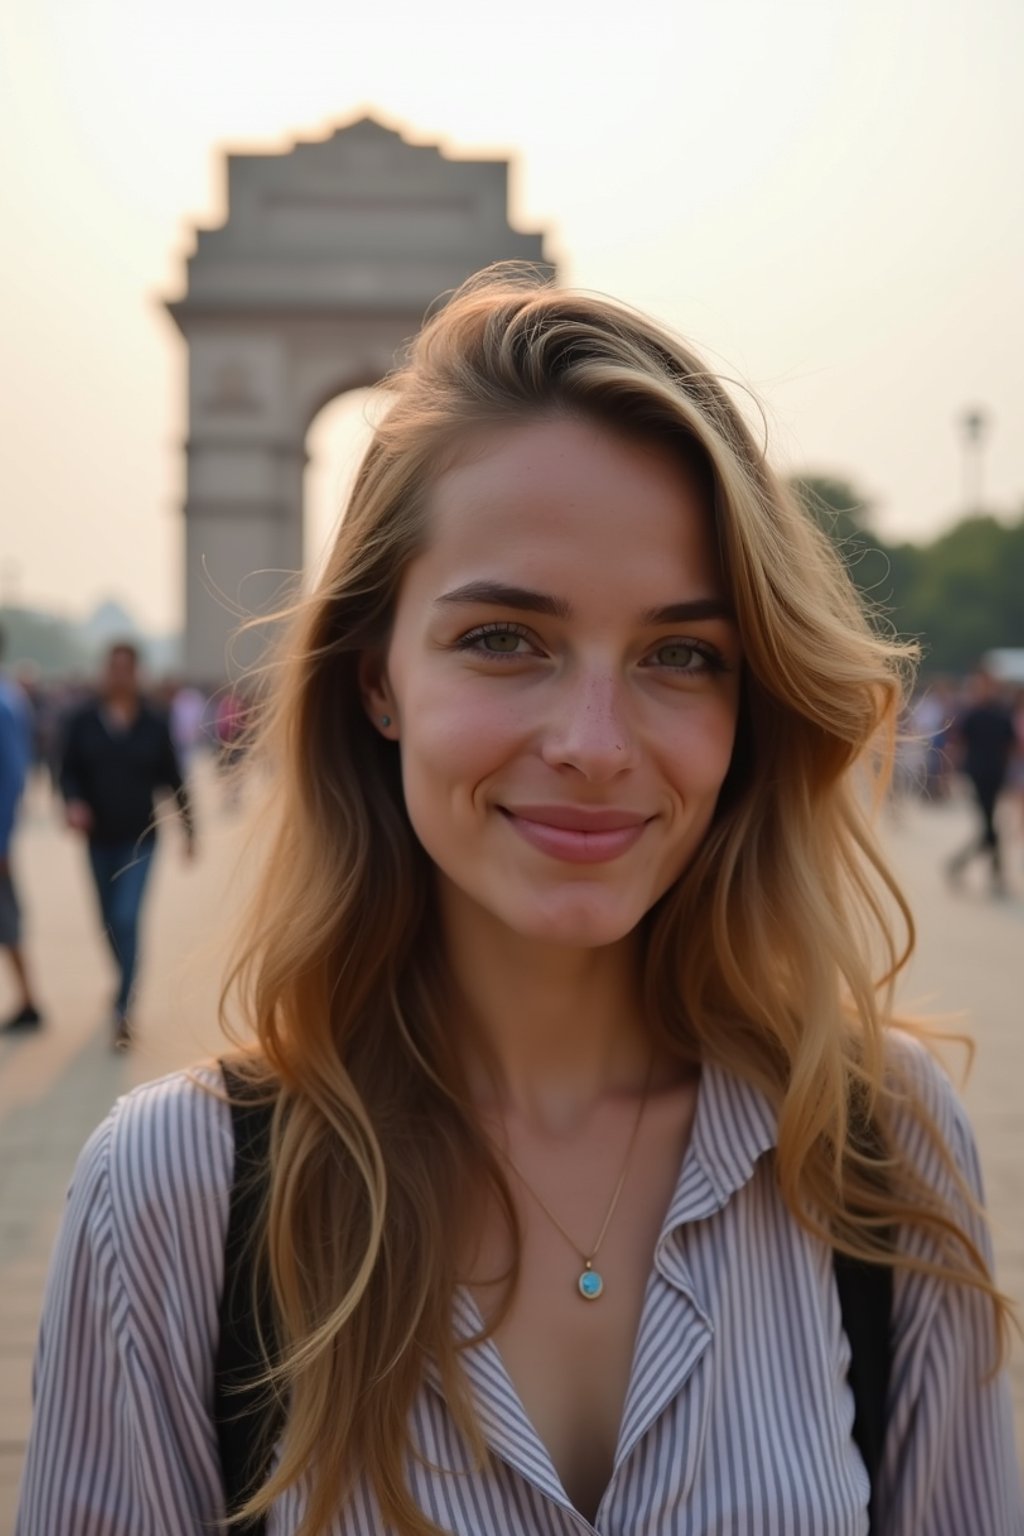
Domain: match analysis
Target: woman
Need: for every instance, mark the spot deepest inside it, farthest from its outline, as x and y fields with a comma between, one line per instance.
x=561, y=977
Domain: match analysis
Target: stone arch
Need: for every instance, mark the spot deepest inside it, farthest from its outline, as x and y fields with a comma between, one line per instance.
x=330, y=255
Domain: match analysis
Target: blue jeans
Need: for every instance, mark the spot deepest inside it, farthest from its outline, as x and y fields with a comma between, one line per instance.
x=120, y=871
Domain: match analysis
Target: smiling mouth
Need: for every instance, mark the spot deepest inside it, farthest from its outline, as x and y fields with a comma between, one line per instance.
x=578, y=834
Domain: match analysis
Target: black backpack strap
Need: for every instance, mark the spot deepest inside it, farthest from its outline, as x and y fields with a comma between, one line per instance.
x=865, y=1297
x=247, y=1416
x=865, y=1300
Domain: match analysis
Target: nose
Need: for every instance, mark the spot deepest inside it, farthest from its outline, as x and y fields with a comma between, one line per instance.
x=590, y=728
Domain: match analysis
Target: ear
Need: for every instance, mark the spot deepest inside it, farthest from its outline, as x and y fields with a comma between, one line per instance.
x=375, y=692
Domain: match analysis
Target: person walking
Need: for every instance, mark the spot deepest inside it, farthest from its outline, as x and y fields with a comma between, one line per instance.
x=118, y=751
x=985, y=737
x=186, y=711
x=15, y=763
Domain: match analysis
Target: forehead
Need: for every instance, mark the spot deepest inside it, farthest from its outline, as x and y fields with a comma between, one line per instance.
x=572, y=503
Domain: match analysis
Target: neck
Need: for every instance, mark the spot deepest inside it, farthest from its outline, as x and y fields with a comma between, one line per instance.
x=548, y=1032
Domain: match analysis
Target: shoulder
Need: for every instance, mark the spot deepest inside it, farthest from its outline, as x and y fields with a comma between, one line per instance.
x=171, y=1139
x=920, y=1083
x=125, y=1363
x=159, y=1168
x=949, y=1456
x=914, y=1068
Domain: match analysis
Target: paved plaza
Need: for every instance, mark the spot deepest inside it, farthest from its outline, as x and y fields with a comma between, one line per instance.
x=56, y=1086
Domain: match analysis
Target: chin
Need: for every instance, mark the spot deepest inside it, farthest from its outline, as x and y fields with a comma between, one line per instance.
x=573, y=923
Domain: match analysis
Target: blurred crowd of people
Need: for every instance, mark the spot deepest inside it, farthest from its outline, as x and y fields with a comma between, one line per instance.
x=107, y=750
x=200, y=720
x=971, y=733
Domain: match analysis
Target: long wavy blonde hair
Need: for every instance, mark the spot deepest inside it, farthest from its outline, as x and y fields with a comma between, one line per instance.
x=774, y=954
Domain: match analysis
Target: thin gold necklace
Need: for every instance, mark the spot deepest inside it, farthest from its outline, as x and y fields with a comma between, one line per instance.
x=590, y=1283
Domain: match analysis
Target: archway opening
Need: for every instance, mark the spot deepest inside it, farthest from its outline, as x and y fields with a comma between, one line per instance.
x=338, y=436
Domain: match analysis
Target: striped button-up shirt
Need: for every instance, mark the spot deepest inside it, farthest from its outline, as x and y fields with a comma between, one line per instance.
x=737, y=1419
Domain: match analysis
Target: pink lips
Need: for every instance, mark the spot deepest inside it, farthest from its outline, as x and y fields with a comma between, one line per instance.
x=577, y=834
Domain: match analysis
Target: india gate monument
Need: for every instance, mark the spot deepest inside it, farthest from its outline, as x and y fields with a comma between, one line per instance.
x=328, y=260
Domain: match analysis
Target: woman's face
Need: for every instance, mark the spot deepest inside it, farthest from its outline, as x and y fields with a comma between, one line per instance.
x=562, y=679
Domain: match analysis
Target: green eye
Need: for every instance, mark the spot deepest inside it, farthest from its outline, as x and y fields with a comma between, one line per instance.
x=500, y=642
x=691, y=658
x=497, y=640
x=676, y=655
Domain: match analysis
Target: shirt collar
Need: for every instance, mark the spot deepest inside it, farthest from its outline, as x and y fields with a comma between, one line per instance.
x=734, y=1126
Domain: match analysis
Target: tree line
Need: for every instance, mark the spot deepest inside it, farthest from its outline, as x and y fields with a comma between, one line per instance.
x=960, y=595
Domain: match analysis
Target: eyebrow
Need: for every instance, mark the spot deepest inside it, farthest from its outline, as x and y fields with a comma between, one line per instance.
x=497, y=594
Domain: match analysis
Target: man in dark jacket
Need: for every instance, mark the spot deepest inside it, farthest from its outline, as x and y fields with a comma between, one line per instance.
x=985, y=738
x=117, y=752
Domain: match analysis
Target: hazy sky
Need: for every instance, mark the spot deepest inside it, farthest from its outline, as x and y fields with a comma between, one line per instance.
x=826, y=197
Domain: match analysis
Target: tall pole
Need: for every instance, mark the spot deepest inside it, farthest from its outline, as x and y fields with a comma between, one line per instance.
x=975, y=423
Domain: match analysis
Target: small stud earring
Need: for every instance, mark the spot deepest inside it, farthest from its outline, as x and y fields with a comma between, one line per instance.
x=385, y=719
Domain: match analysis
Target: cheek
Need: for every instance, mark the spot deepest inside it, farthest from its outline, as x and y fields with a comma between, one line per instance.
x=456, y=736
x=702, y=747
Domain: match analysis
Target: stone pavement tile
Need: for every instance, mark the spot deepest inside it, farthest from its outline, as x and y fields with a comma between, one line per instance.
x=15, y=1395
x=10, y=1478
x=20, y=1317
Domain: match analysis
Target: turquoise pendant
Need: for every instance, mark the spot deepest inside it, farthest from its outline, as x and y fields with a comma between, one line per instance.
x=590, y=1284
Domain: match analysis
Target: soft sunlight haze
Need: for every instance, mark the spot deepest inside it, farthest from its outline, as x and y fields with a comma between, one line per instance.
x=826, y=198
